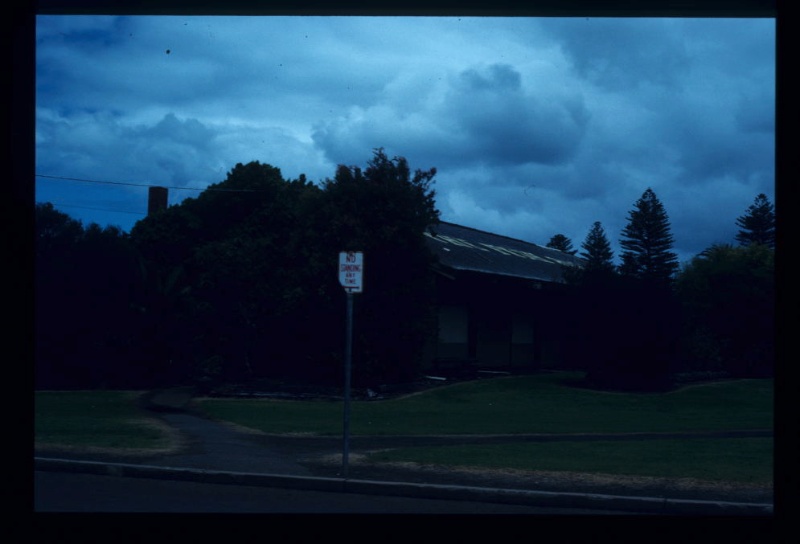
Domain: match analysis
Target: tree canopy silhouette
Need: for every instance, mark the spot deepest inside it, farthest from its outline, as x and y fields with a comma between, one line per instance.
x=647, y=242
x=757, y=225
x=597, y=250
x=561, y=243
x=384, y=211
x=245, y=283
x=729, y=298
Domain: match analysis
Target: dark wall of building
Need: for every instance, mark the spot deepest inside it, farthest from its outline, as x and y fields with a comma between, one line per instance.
x=497, y=322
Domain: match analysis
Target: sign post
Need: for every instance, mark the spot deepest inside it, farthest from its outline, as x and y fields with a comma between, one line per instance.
x=351, y=269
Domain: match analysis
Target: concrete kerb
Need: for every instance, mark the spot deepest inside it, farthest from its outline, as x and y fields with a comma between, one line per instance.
x=646, y=505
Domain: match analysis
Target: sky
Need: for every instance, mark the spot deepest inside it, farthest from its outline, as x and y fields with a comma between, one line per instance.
x=536, y=126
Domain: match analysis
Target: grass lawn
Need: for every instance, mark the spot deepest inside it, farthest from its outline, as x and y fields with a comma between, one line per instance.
x=742, y=460
x=95, y=419
x=546, y=404
x=510, y=405
x=513, y=405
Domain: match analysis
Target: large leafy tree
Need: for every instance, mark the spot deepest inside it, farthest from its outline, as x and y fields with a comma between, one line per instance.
x=84, y=279
x=224, y=277
x=561, y=243
x=107, y=264
x=647, y=242
x=729, y=298
x=56, y=232
x=384, y=211
x=57, y=296
x=757, y=225
x=243, y=280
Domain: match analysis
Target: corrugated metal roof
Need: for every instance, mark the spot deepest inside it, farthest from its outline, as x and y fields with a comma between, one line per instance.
x=464, y=248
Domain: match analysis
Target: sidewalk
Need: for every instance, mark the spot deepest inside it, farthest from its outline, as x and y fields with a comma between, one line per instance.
x=215, y=452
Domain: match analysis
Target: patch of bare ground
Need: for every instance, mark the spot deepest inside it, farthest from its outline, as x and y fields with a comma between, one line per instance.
x=238, y=428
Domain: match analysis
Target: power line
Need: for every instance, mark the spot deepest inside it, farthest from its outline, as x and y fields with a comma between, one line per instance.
x=109, y=182
x=96, y=209
x=150, y=185
x=112, y=182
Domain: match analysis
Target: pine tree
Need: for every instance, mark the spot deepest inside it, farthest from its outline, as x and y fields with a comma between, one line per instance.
x=597, y=250
x=647, y=242
x=758, y=224
x=561, y=243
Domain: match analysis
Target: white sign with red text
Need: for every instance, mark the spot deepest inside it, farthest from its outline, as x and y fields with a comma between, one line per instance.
x=351, y=271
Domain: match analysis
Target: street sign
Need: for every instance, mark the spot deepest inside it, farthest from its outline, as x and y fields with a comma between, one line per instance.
x=351, y=271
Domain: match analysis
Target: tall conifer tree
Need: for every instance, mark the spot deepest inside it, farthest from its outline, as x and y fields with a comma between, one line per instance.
x=597, y=250
x=758, y=224
x=647, y=242
x=561, y=243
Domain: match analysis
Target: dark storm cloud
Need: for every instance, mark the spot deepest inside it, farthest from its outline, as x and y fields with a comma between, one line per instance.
x=622, y=54
x=190, y=132
x=486, y=116
x=756, y=113
x=173, y=151
x=178, y=148
x=717, y=136
x=498, y=121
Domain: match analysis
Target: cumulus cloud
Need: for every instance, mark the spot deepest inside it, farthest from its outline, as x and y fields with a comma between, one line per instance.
x=483, y=116
x=496, y=119
x=173, y=151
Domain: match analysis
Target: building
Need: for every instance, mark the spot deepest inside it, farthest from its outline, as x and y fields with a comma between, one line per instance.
x=501, y=302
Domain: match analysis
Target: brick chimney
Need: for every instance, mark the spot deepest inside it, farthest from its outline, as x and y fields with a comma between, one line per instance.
x=156, y=199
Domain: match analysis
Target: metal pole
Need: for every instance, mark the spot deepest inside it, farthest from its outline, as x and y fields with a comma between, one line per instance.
x=347, y=365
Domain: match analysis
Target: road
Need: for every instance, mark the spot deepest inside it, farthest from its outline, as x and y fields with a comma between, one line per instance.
x=76, y=492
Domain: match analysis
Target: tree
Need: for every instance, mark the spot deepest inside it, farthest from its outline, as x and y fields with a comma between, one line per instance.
x=647, y=242
x=227, y=273
x=597, y=250
x=758, y=224
x=242, y=280
x=561, y=243
x=56, y=288
x=385, y=211
x=56, y=232
x=108, y=279
x=630, y=320
x=728, y=294
x=597, y=268
x=83, y=283
x=617, y=333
